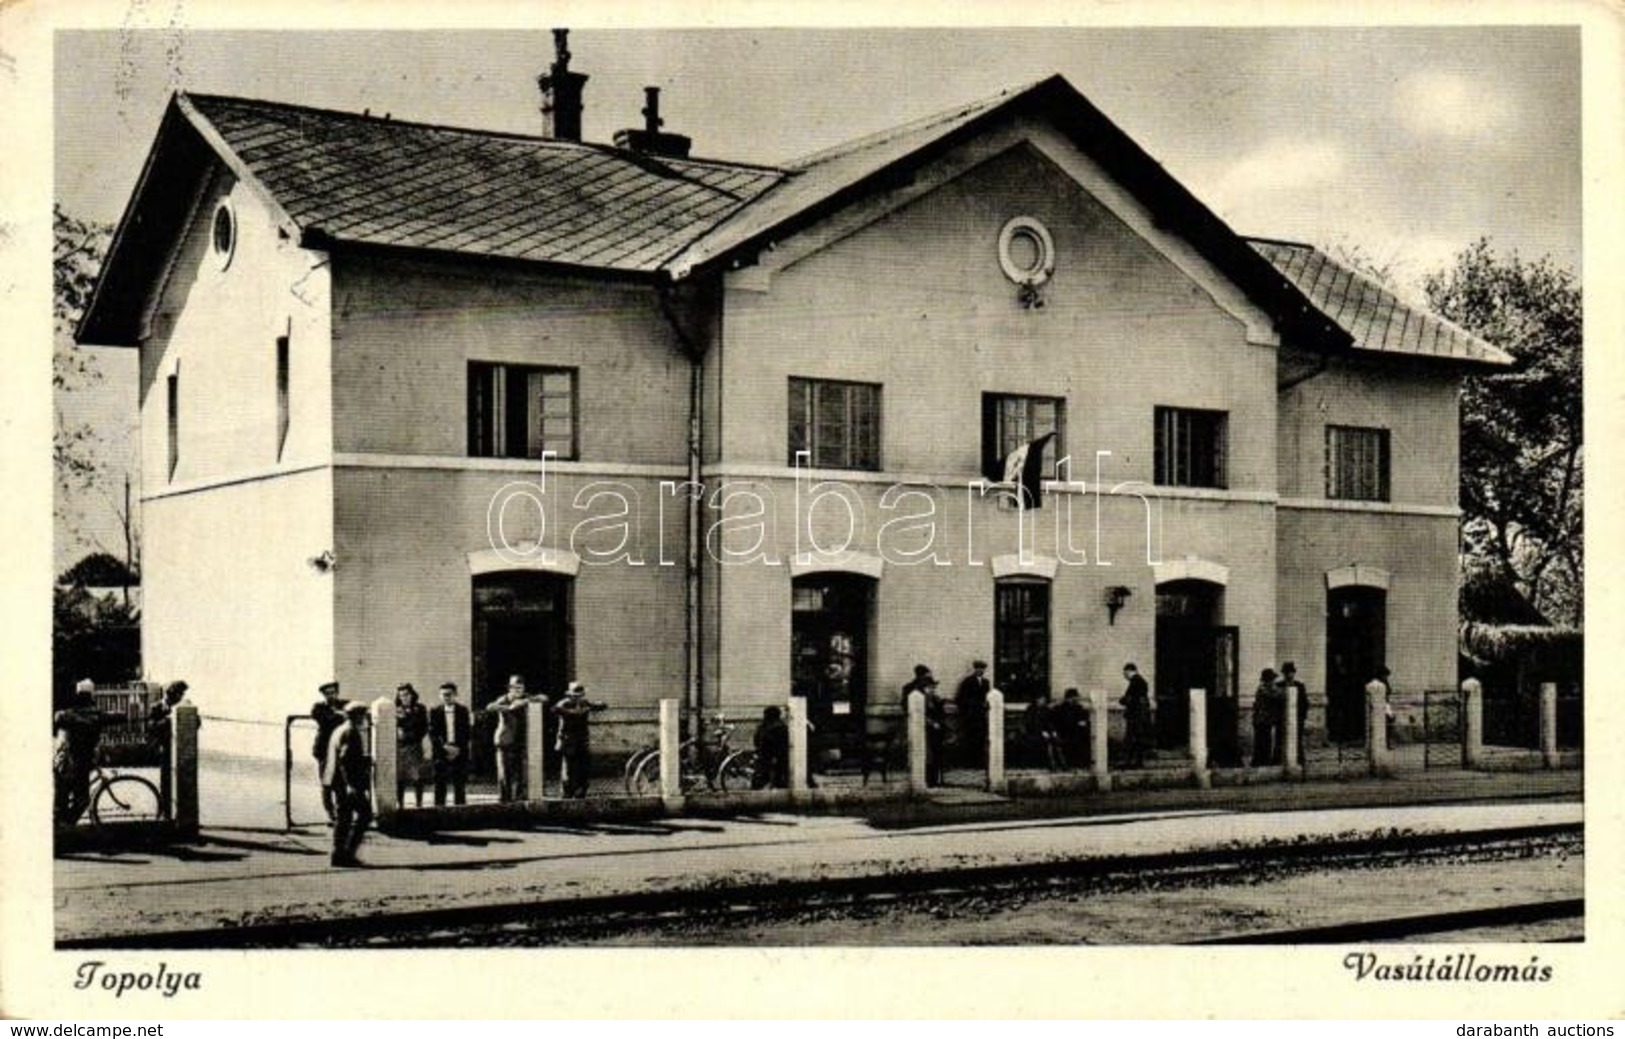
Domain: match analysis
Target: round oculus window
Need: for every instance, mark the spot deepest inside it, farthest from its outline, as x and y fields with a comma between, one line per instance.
x=223, y=234
x=1026, y=251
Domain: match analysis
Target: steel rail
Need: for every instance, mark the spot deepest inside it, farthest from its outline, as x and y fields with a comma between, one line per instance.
x=628, y=910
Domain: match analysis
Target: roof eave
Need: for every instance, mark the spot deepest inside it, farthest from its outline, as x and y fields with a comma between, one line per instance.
x=317, y=239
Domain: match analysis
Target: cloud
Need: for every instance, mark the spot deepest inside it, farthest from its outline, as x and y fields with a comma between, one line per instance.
x=1278, y=169
x=1446, y=105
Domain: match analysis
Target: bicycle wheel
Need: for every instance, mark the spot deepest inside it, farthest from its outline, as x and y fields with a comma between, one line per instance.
x=126, y=799
x=646, y=778
x=737, y=770
x=629, y=773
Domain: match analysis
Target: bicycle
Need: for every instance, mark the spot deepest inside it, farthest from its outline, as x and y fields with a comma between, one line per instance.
x=120, y=797
x=734, y=768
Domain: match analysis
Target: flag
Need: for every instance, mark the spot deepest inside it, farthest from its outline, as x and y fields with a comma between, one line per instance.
x=1024, y=467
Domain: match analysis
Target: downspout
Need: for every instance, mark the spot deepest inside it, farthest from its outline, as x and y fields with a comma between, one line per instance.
x=694, y=349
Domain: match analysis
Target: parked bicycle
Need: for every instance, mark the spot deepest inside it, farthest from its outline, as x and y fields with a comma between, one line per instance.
x=709, y=761
x=119, y=797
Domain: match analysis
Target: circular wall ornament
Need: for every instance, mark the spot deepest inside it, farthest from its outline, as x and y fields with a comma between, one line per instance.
x=1026, y=251
x=223, y=234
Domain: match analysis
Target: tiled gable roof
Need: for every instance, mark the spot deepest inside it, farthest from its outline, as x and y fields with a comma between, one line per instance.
x=375, y=181
x=1378, y=320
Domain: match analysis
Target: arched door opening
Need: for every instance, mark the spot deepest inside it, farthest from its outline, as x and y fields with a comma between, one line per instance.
x=1356, y=645
x=830, y=618
x=1195, y=651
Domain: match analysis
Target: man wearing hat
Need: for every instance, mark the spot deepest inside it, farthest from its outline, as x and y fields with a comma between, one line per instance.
x=574, y=711
x=328, y=713
x=348, y=775
x=971, y=701
x=936, y=720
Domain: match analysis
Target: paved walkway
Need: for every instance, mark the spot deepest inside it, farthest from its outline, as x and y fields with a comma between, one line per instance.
x=242, y=874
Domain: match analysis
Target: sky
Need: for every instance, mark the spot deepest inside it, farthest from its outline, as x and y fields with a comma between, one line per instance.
x=1405, y=143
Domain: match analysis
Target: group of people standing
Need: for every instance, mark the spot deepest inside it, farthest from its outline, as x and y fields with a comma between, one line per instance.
x=435, y=742
x=1269, y=715
x=76, y=740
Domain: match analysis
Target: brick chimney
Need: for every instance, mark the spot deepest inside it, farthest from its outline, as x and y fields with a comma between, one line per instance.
x=651, y=140
x=561, y=93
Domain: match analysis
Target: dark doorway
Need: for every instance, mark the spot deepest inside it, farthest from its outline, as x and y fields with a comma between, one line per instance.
x=1021, y=639
x=1194, y=651
x=1356, y=645
x=521, y=627
x=829, y=653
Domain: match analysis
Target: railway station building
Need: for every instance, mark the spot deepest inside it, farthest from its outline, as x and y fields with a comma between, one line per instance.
x=423, y=403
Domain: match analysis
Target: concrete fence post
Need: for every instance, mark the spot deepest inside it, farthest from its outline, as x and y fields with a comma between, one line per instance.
x=1472, y=723
x=183, y=755
x=916, y=740
x=386, y=798
x=535, y=749
x=671, y=762
x=1379, y=756
x=1548, y=724
x=1198, y=738
x=1100, y=720
x=997, y=782
x=798, y=748
x=1289, y=733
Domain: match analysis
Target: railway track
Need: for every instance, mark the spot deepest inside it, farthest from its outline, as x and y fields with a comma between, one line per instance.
x=670, y=914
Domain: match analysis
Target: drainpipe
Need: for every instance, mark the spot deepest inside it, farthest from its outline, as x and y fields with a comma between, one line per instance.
x=672, y=308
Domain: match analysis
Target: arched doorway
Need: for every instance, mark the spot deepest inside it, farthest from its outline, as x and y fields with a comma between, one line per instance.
x=522, y=625
x=1196, y=651
x=1356, y=645
x=830, y=617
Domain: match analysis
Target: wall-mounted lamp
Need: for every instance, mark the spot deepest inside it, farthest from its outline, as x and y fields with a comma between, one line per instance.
x=1116, y=597
x=324, y=563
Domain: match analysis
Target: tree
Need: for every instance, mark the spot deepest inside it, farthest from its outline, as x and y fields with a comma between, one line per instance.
x=76, y=259
x=99, y=570
x=1522, y=448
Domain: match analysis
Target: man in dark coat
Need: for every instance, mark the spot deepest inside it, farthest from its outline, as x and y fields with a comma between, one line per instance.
x=772, y=751
x=574, y=712
x=328, y=713
x=1136, y=701
x=349, y=776
x=78, y=732
x=1070, y=721
x=160, y=736
x=450, y=737
x=970, y=699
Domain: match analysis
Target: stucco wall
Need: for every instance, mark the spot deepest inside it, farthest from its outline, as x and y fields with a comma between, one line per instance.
x=231, y=604
x=404, y=599
x=1420, y=554
x=404, y=333
x=218, y=329
x=941, y=613
x=1418, y=407
x=916, y=301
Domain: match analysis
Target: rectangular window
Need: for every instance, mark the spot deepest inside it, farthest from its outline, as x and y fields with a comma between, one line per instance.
x=1356, y=463
x=174, y=408
x=281, y=394
x=837, y=423
x=1009, y=421
x=519, y=411
x=1189, y=449
x=1021, y=639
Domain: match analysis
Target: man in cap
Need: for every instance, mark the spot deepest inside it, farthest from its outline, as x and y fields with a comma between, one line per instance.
x=574, y=712
x=328, y=713
x=160, y=732
x=348, y=775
